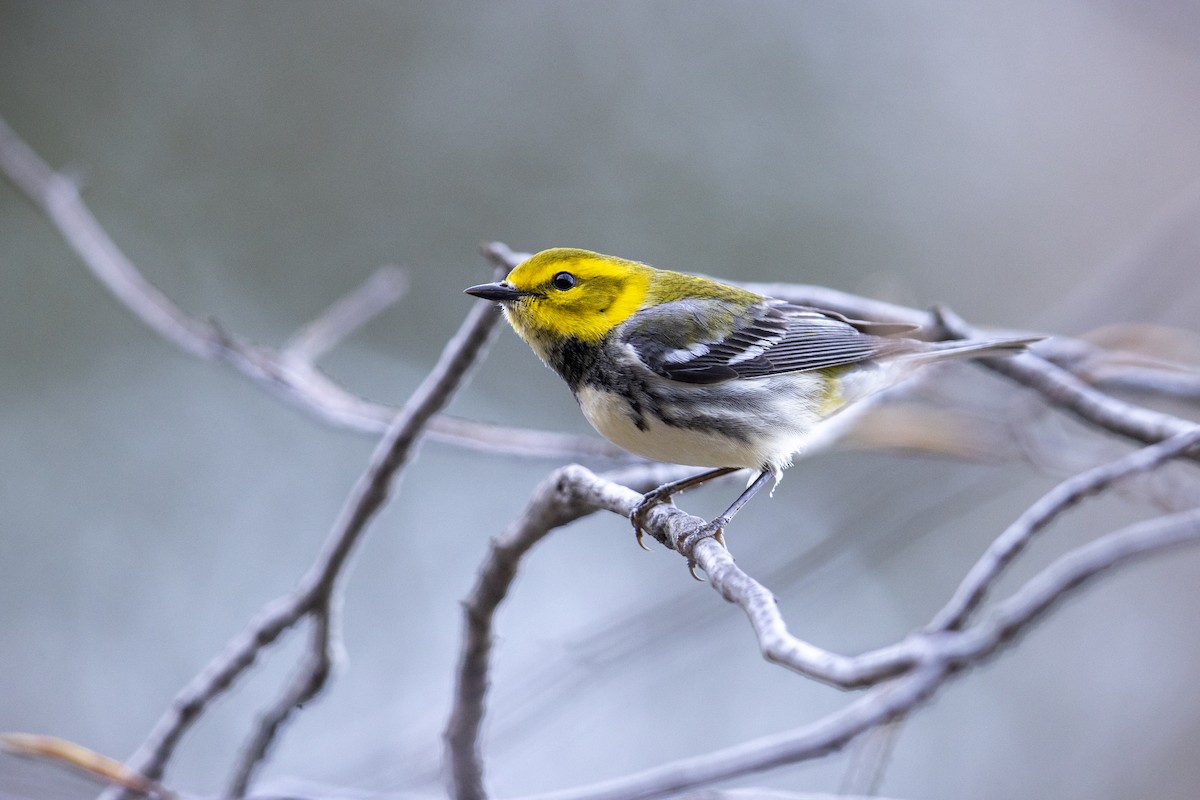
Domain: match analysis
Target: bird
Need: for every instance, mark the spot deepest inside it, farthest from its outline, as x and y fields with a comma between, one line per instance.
x=689, y=370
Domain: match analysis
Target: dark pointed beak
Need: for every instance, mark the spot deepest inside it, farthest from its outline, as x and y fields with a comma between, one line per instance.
x=501, y=292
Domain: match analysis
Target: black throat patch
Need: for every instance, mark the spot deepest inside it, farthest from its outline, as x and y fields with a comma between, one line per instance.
x=574, y=361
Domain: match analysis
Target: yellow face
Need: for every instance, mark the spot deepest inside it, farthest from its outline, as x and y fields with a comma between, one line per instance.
x=574, y=293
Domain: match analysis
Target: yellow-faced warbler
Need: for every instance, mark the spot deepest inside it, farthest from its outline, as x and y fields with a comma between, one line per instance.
x=688, y=370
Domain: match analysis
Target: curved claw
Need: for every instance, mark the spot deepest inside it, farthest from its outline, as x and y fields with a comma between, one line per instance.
x=710, y=530
x=641, y=537
x=638, y=515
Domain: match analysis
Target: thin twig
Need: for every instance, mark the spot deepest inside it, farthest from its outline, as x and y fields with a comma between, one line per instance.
x=1063, y=390
x=369, y=495
x=314, y=594
x=501, y=255
x=1066, y=574
x=557, y=501
x=85, y=760
x=1133, y=372
x=763, y=793
x=375, y=295
x=58, y=196
x=827, y=735
x=310, y=678
x=291, y=375
x=1148, y=381
x=1008, y=545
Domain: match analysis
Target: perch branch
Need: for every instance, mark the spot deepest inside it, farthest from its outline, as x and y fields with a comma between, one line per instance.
x=918, y=664
x=954, y=653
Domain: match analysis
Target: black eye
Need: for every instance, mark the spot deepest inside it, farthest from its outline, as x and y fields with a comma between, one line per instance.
x=563, y=281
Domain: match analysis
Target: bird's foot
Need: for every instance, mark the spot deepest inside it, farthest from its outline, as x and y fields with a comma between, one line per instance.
x=638, y=516
x=710, y=530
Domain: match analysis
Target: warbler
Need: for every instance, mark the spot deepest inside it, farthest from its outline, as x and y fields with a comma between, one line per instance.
x=689, y=370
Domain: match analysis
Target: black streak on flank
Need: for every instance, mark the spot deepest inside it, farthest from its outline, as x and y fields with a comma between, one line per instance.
x=576, y=363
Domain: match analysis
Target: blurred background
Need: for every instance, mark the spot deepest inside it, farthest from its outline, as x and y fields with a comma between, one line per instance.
x=1032, y=165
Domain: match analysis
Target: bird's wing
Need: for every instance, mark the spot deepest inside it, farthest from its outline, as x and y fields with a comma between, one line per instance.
x=673, y=340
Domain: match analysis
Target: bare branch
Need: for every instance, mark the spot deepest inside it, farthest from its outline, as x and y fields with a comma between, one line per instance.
x=1148, y=381
x=291, y=375
x=58, y=197
x=819, y=738
x=948, y=655
x=306, y=684
x=1065, y=575
x=1147, y=368
x=1062, y=389
x=85, y=760
x=315, y=593
x=564, y=496
x=503, y=256
x=1009, y=544
x=385, y=287
x=909, y=670
x=762, y=793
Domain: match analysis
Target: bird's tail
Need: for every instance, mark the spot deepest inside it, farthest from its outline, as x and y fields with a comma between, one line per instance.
x=970, y=348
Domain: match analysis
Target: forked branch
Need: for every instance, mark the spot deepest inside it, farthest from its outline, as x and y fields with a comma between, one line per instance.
x=903, y=675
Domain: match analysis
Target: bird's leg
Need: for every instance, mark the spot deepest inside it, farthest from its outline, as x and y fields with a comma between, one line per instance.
x=663, y=494
x=715, y=528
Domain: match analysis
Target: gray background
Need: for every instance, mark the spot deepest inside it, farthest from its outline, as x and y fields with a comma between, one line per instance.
x=1031, y=164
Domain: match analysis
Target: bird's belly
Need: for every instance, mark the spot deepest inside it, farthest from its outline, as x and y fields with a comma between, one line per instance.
x=610, y=414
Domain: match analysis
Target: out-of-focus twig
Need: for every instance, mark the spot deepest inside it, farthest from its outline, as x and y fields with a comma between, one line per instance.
x=315, y=595
x=290, y=374
x=1146, y=360
x=1063, y=390
x=85, y=760
x=1008, y=545
x=379, y=292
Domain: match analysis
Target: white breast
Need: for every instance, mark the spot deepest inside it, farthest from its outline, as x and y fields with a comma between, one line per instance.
x=609, y=414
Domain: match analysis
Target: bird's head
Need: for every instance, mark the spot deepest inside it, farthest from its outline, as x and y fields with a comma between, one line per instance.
x=565, y=293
